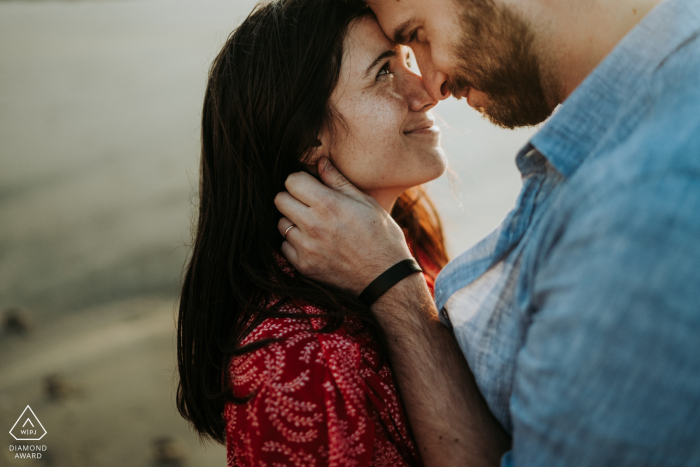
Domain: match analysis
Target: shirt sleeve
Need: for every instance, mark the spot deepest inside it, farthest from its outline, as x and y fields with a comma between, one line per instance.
x=307, y=406
x=610, y=369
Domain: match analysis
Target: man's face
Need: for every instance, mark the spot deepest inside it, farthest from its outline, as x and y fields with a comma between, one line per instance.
x=477, y=49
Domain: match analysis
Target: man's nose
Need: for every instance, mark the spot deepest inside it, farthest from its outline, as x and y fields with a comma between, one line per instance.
x=436, y=85
x=435, y=81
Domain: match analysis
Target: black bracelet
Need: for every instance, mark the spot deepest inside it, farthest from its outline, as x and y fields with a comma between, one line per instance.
x=388, y=279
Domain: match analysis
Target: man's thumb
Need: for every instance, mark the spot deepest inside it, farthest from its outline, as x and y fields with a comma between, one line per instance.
x=331, y=177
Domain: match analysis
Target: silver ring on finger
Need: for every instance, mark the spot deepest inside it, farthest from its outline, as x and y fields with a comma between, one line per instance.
x=287, y=231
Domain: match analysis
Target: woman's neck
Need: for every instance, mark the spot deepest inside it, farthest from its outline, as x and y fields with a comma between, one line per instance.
x=386, y=198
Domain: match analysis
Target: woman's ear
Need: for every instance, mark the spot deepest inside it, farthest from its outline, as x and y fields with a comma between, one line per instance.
x=314, y=154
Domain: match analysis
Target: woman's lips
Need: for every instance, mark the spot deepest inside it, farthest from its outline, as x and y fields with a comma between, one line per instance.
x=422, y=128
x=425, y=131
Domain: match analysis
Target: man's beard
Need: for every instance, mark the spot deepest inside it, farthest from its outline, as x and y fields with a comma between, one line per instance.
x=495, y=55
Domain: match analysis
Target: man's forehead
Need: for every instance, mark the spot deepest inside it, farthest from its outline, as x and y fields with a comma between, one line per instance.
x=395, y=16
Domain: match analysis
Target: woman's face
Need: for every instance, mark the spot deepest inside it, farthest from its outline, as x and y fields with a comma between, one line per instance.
x=389, y=142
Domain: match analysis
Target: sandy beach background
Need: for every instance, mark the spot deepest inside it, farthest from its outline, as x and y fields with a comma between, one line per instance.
x=99, y=134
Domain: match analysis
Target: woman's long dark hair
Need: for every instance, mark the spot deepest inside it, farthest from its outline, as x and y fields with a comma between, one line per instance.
x=266, y=102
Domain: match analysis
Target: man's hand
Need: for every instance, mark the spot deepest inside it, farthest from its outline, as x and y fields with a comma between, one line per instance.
x=345, y=238
x=342, y=236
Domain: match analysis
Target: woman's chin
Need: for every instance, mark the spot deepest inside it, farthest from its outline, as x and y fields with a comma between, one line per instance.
x=435, y=165
x=430, y=171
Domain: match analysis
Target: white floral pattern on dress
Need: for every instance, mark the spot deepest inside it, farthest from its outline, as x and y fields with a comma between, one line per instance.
x=317, y=399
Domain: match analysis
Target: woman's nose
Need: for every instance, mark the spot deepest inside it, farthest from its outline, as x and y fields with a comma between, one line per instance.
x=419, y=99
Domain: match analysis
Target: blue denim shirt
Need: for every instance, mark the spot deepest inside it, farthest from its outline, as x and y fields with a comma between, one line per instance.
x=580, y=315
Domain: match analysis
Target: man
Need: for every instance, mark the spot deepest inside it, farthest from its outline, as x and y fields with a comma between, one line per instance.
x=579, y=317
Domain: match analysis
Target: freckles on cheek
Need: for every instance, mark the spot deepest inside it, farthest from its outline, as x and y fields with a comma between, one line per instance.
x=369, y=154
x=380, y=123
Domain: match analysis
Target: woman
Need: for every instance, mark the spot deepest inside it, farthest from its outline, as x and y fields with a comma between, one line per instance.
x=286, y=370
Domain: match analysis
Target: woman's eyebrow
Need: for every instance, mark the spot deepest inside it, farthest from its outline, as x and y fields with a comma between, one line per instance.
x=389, y=53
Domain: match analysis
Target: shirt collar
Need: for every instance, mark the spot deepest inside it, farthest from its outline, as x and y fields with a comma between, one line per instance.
x=591, y=110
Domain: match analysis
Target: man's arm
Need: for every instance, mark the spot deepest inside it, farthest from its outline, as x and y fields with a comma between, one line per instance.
x=347, y=239
x=449, y=417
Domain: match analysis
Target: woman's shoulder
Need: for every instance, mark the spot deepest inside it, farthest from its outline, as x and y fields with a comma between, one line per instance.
x=282, y=327
x=314, y=392
x=303, y=320
x=299, y=385
x=296, y=344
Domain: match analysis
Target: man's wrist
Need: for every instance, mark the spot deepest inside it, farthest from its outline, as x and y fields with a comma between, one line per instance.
x=389, y=278
x=413, y=298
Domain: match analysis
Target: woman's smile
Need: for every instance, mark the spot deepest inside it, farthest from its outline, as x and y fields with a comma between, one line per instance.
x=432, y=131
x=425, y=127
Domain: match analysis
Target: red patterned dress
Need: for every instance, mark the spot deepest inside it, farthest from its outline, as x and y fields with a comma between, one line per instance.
x=318, y=398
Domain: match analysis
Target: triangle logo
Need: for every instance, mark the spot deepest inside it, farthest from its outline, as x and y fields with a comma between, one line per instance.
x=28, y=427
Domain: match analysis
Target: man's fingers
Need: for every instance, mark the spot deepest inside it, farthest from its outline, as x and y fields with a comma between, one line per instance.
x=290, y=207
x=309, y=191
x=291, y=254
x=286, y=228
x=306, y=189
x=332, y=178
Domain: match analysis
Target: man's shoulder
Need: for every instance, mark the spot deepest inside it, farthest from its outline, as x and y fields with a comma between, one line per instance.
x=647, y=184
x=671, y=124
x=662, y=143
x=673, y=119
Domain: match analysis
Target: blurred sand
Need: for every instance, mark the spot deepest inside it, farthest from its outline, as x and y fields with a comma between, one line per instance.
x=99, y=133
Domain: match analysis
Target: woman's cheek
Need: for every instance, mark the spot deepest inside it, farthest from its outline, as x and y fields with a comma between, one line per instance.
x=370, y=153
x=384, y=118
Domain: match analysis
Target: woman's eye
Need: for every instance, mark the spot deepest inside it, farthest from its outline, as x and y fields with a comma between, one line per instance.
x=384, y=70
x=413, y=36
